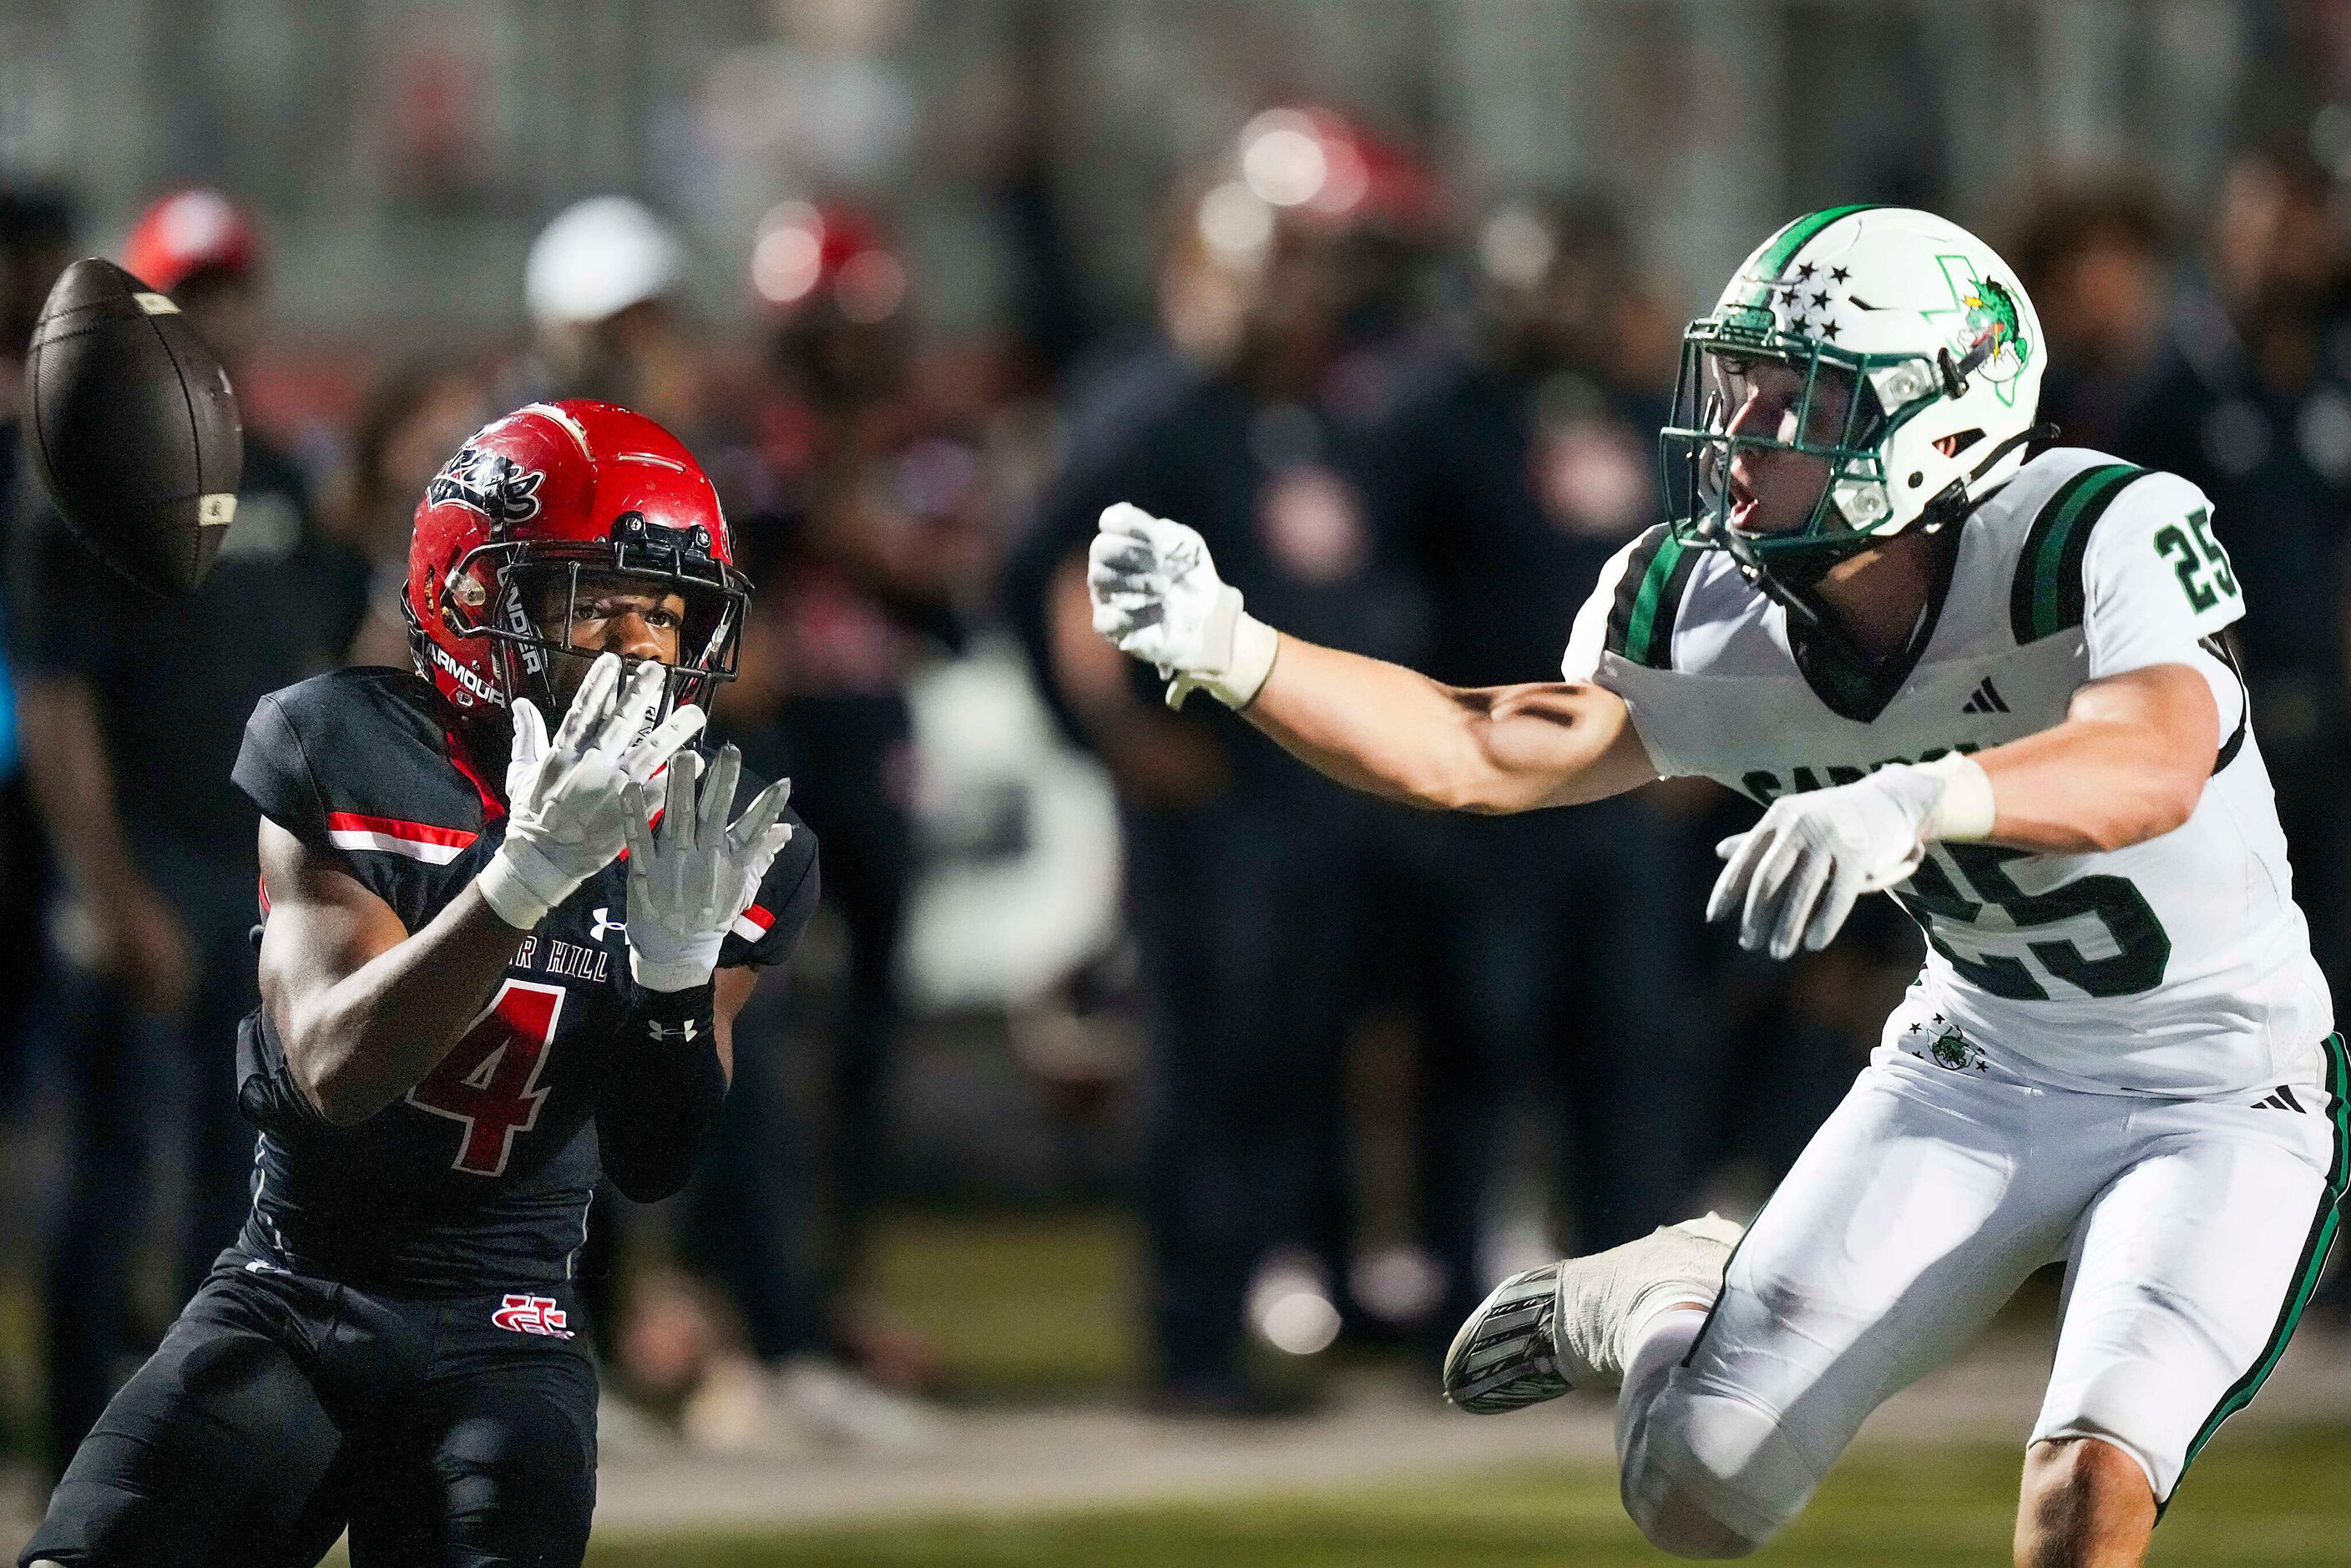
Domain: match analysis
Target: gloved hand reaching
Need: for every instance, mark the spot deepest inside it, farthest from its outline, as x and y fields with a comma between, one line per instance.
x=693, y=874
x=1156, y=596
x=566, y=812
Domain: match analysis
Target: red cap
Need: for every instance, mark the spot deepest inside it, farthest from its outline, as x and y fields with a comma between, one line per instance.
x=806, y=251
x=1330, y=169
x=186, y=233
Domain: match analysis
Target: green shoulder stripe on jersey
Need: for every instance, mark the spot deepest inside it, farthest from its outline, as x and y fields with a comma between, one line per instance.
x=1783, y=246
x=1648, y=598
x=2046, y=597
x=2305, y=1272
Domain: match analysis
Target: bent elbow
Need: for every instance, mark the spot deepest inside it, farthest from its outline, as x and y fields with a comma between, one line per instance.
x=324, y=1078
x=332, y=1095
x=1471, y=783
x=2174, y=808
x=2160, y=814
x=648, y=1180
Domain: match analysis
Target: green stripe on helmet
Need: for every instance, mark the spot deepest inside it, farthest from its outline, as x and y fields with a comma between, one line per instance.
x=2046, y=597
x=1781, y=249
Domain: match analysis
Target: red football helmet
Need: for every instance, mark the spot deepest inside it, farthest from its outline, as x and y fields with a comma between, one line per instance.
x=529, y=504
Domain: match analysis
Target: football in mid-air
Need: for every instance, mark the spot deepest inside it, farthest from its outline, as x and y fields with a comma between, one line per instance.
x=132, y=425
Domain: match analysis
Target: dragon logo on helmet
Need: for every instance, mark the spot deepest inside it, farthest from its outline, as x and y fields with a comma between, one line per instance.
x=1990, y=327
x=490, y=483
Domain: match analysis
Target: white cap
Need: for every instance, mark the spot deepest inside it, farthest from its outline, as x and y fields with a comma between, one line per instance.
x=599, y=257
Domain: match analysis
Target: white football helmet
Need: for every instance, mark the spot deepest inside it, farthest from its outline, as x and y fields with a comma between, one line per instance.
x=1937, y=339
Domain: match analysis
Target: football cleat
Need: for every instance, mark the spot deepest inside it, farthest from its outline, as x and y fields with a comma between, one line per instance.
x=1562, y=1327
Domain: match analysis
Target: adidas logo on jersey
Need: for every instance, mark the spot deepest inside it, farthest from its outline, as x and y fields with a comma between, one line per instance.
x=2278, y=1099
x=1986, y=698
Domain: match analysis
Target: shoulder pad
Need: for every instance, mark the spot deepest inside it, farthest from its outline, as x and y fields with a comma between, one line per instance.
x=2046, y=595
x=1649, y=597
x=360, y=763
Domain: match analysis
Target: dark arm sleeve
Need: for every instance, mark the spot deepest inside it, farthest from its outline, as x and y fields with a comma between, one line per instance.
x=661, y=1093
x=663, y=1087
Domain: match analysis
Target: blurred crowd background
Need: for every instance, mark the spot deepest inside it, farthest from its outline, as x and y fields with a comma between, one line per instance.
x=1382, y=297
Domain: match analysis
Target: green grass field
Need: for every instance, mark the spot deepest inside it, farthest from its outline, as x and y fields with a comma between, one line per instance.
x=2273, y=1498
x=1043, y=1309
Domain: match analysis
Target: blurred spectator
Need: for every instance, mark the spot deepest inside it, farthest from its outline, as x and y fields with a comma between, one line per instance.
x=601, y=285
x=132, y=710
x=414, y=419
x=857, y=517
x=1244, y=870
x=2097, y=260
x=36, y=243
x=1514, y=465
x=2250, y=399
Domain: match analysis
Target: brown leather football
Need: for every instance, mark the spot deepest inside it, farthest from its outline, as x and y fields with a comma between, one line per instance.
x=132, y=426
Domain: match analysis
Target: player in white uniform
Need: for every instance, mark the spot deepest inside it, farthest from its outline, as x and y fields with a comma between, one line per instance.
x=1995, y=689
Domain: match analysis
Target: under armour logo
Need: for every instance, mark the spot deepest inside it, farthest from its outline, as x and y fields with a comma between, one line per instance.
x=604, y=922
x=659, y=1031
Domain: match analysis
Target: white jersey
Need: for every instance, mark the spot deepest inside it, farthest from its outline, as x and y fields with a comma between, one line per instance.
x=2179, y=965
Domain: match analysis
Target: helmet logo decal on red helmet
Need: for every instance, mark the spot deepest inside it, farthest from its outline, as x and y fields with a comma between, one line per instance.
x=490, y=483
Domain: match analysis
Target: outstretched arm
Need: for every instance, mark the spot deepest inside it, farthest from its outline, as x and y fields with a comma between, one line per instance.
x=1377, y=727
x=1391, y=731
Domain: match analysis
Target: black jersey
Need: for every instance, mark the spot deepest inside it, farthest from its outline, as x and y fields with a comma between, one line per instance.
x=483, y=1169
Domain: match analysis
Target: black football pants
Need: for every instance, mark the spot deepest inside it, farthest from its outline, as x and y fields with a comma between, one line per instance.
x=454, y=1431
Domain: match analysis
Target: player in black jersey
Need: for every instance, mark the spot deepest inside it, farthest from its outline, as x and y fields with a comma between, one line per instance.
x=489, y=967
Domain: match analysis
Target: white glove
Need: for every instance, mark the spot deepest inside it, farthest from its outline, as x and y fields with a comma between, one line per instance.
x=566, y=815
x=1793, y=877
x=691, y=877
x=1156, y=596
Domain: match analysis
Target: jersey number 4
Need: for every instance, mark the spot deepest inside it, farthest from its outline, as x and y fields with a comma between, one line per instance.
x=489, y=1080
x=2142, y=948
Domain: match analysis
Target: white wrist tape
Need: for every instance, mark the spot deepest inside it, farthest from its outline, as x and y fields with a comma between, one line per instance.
x=682, y=972
x=520, y=886
x=1248, y=645
x=1966, y=810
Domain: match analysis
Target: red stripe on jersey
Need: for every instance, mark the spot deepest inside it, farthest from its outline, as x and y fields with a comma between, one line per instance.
x=753, y=924
x=417, y=841
x=394, y=828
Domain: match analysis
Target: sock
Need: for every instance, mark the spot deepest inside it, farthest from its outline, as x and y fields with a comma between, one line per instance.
x=1663, y=1340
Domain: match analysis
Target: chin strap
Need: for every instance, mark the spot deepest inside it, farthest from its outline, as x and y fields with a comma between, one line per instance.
x=2043, y=431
